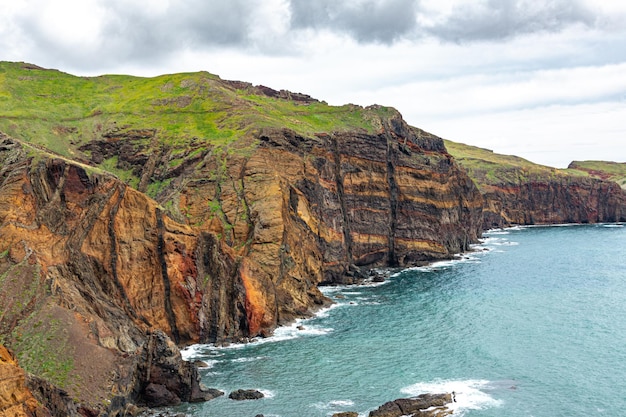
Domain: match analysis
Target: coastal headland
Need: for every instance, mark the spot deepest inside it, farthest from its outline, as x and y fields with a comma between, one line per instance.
x=141, y=215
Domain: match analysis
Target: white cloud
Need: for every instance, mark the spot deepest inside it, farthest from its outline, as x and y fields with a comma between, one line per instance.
x=553, y=135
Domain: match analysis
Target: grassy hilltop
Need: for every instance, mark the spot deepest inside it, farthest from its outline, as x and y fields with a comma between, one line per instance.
x=612, y=171
x=487, y=167
x=176, y=113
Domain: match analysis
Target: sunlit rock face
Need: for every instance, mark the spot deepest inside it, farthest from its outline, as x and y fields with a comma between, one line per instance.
x=94, y=266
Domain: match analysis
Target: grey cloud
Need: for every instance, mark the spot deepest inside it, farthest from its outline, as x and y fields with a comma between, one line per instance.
x=365, y=20
x=389, y=20
x=132, y=34
x=193, y=24
x=504, y=19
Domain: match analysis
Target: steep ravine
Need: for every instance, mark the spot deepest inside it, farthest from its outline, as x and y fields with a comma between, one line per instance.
x=95, y=268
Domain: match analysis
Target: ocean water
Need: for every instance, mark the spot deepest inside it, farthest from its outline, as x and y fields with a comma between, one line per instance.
x=533, y=323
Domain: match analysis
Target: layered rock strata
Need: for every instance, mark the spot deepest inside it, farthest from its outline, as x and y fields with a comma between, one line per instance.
x=517, y=191
x=564, y=199
x=96, y=269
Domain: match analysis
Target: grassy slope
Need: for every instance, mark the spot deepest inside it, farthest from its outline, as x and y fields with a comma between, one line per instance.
x=613, y=171
x=488, y=168
x=61, y=112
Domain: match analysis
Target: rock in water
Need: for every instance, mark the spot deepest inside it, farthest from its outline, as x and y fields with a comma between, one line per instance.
x=246, y=394
x=424, y=405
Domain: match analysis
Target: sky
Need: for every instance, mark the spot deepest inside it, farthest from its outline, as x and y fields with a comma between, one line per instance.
x=541, y=79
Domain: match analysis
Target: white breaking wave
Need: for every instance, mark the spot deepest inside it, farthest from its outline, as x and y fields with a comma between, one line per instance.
x=469, y=257
x=469, y=394
x=267, y=393
x=198, y=352
x=253, y=359
x=298, y=328
x=334, y=405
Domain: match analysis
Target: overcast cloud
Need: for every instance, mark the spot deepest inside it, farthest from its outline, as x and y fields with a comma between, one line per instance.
x=543, y=79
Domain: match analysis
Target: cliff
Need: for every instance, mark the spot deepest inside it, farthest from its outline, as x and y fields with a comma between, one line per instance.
x=517, y=191
x=141, y=214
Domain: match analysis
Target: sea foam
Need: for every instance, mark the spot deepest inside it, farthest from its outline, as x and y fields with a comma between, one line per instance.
x=469, y=394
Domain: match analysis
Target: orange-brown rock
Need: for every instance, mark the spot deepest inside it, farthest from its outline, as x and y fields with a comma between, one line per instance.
x=306, y=210
x=16, y=400
x=96, y=268
x=89, y=267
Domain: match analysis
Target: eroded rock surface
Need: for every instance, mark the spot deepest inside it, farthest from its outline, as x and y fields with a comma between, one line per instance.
x=16, y=400
x=99, y=270
x=562, y=199
x=245, y=394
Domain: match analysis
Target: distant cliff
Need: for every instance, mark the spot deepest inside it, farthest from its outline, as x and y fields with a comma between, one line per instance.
x=605, y=170
x=141, y=214
x=517, y=191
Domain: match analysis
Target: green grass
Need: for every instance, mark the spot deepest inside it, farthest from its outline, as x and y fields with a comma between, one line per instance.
x=126, y=176
x=613, y=171
x=486, y=167
x=186, y=114
x=42, y=348
x=60, y=111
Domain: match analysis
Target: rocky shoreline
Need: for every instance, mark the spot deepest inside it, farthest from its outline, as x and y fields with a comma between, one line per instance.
x=423, y=405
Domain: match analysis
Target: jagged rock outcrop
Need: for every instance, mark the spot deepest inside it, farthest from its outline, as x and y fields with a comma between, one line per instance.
x=165, y=378
x=90, y=269
x=246, y=394
x=424, y=405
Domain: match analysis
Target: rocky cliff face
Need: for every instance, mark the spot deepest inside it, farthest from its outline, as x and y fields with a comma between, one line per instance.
x=553, y=201
x=517, y=191
x=91, y=267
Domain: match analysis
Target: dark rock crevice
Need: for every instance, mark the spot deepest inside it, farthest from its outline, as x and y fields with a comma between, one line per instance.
x=171, y=317
x=391, y=162
x=338, y=176
x=114, y=255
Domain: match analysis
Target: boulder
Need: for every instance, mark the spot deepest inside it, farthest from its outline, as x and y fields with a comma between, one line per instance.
x=246, y=394
x=167, y=377
x=424, y=405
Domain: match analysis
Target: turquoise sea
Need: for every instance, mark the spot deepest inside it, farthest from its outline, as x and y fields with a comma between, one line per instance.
x=532, y=323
